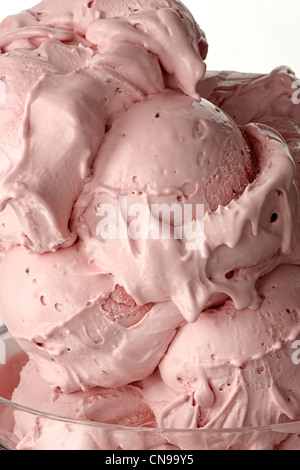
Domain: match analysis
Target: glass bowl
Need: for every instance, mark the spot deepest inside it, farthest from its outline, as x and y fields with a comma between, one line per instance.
x=59, y=432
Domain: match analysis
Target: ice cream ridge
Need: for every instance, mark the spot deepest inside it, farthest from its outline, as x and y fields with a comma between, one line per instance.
x=107, y=110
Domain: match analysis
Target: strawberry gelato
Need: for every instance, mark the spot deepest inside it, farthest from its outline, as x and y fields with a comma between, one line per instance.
x=149, y=235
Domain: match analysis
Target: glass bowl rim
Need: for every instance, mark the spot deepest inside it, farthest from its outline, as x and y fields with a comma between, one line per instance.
x=292, y=427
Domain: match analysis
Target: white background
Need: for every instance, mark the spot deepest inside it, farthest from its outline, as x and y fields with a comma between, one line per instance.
x=248, y=36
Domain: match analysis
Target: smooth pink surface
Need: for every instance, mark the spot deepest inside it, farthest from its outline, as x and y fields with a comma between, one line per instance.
x=203, y=158
x=123, y=406
x=111, y=99
x=69, y=70
x=234, y=368
x=267, y=99
x=79, y=325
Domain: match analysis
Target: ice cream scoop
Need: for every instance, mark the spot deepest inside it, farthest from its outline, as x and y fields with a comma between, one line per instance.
x=149, y=234
x=124, y=406
x=64, y=84
x=249, y=97
x=270, y=99
x=170, y=153
x=234, y=369
x=80, y=326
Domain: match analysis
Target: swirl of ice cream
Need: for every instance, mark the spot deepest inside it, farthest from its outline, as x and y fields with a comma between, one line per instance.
x=81, y=327
x=122, y=407
x=249, y=97
x=69, y=69
x=235, y=369
x=170, y=150
x=271, y=99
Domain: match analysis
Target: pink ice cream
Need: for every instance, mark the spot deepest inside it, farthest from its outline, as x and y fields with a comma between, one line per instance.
x=108, y=107
x=68, y=71
x=230, y=361
x=244, y=178
x=122, y=407
x=81, y=327
x=268, y=99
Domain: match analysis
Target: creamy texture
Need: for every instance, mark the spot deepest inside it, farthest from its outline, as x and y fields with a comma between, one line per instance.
x=82, y=328
x=122, y=407
x=64, y=84
x=107, y=103
x=242, y=177
x=234, y=368
x=268, y=99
